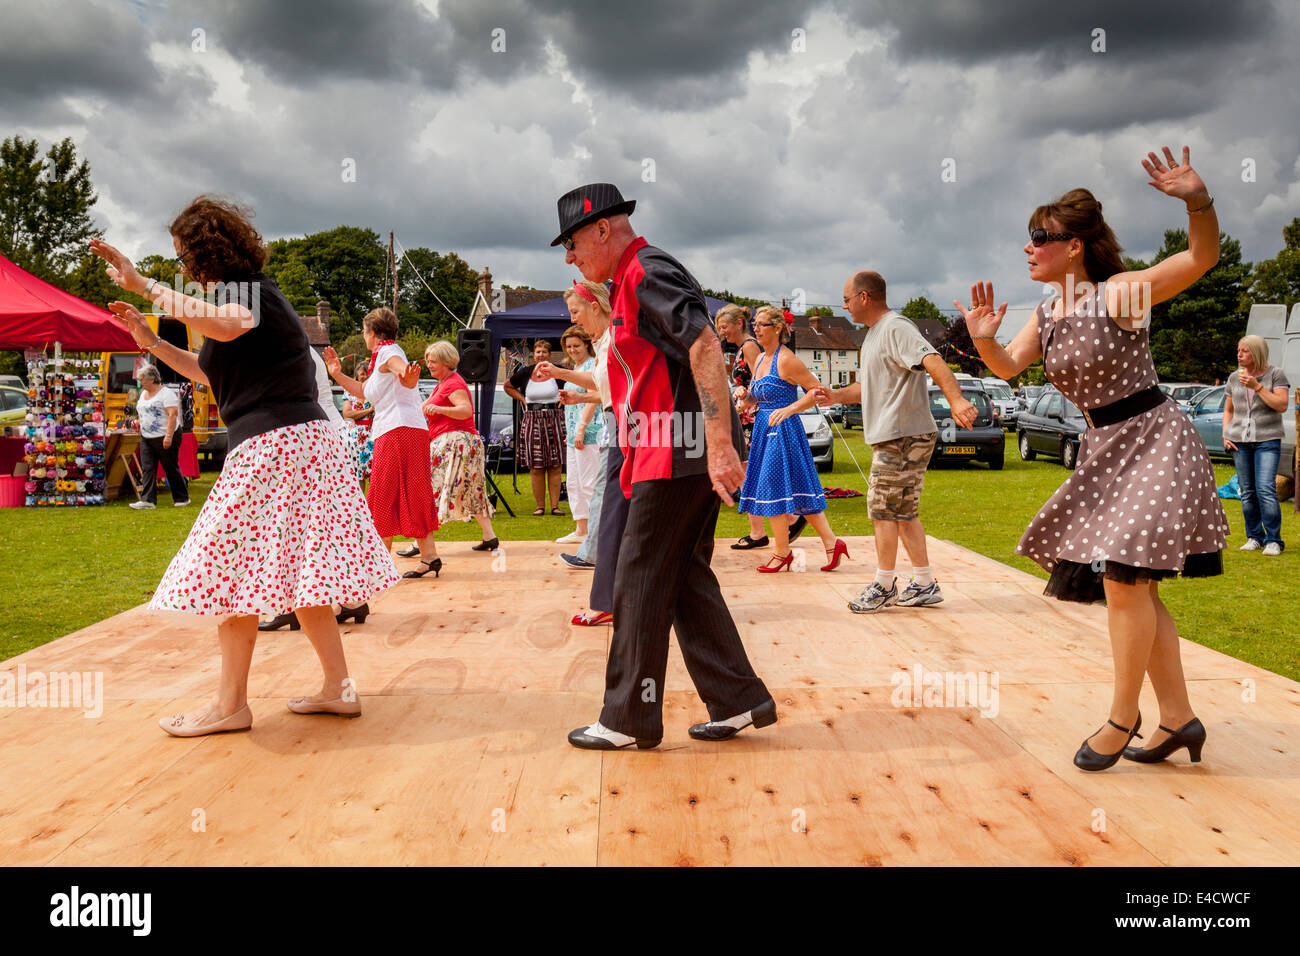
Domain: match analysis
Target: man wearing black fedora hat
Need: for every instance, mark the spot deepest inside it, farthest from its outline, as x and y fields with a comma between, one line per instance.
x=669, y=389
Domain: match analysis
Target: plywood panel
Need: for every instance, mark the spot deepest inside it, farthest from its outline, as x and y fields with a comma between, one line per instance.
x=471, y=682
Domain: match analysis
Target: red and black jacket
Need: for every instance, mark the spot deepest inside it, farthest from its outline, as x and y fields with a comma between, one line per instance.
x=657, y=311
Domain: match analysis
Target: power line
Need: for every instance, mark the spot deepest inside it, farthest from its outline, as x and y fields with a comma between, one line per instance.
x=425, y=284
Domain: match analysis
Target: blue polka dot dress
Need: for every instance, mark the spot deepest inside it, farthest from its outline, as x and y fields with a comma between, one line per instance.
x=780, y=477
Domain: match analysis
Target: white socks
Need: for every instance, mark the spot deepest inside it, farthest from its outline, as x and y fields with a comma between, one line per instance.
x=885, y=578
x=923, y=577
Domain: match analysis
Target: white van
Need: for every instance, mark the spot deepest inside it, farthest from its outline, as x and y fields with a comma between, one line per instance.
x=1001, y=396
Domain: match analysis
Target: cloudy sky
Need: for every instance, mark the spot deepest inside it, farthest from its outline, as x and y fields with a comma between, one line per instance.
x=771, y=146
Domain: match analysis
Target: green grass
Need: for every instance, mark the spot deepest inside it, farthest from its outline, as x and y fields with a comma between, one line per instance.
x=64, y=569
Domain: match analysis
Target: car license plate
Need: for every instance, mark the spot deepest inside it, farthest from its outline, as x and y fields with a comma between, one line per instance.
x=959, y=449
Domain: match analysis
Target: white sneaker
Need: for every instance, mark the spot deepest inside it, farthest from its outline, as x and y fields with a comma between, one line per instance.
x=1251, y=545
x=1272, y=549
x=142, y=505
x=571, y=538
x=181, y=504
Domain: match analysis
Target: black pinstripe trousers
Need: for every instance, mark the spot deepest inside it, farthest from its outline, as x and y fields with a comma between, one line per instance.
x=663, y=580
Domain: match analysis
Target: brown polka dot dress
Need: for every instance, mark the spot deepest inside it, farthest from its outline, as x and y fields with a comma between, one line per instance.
x=1142, y=503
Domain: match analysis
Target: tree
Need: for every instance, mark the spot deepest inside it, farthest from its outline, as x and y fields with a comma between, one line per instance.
x=449, y=277
x=45, y=205
x=1194, y=335
x=954, y=341
x=345, y=266
x=922, y=308
x=1278, y=279
x=727, y=296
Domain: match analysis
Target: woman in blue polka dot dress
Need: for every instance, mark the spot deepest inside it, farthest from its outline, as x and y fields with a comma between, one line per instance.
x=1142, y=505
x=780, y=477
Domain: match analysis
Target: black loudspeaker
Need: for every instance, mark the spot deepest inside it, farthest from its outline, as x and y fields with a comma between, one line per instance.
x=475, y=348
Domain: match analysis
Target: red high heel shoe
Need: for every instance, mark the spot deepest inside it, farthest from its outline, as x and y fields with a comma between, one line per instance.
x=782, y=564
x=841, y=549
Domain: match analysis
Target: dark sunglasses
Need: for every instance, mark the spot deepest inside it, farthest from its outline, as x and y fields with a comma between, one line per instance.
x=1041, y=236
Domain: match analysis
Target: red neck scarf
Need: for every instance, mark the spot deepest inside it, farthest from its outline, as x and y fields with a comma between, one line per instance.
x=370, y=369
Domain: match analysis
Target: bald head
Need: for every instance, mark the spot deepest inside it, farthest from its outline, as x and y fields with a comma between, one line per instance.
x=870, y=283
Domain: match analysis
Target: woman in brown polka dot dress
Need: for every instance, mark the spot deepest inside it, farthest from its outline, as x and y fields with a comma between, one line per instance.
x=1142, y=504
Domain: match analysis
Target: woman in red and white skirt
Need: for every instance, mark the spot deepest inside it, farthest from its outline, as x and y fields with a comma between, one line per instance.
x=284, y=527
x=401, y=492
x=540, y=447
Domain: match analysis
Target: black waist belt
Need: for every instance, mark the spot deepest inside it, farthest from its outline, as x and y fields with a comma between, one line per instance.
x=1125, y=408
x=538, y=406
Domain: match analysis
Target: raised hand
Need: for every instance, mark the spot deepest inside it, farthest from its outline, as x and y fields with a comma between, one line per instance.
x=331, y=359
x=1176, y=179
x=134, y=323
x=545, y=371
x=121, y=270
x=982, y=318
x=410, y=375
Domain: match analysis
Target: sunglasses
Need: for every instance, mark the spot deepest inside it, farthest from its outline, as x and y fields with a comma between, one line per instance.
x=1041, y=236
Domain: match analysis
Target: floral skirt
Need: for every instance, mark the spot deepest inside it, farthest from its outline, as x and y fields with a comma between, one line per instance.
x=356, y=449
x=283, y=527
x=456, y=463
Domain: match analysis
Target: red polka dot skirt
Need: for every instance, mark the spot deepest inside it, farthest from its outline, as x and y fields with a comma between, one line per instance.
x=401, y=487
x=284, y=527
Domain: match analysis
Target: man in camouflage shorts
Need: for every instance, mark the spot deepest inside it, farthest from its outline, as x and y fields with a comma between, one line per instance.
x=898, y=424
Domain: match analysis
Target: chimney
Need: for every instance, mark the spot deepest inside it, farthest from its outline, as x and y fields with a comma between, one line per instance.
x=323, y=314
x=485, y=286
x=815, y=321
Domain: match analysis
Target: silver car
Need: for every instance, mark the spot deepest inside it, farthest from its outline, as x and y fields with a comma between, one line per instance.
x=820, y=441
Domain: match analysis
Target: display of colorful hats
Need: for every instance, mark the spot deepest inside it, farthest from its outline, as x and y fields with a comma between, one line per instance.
x=64, y=429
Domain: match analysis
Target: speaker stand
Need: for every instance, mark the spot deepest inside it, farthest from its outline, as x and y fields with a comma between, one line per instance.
x=487, y=472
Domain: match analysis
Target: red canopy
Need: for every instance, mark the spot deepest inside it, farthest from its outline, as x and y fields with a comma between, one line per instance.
x=34, y=314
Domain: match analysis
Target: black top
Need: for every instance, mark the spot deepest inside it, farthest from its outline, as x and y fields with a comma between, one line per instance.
x=265, y=378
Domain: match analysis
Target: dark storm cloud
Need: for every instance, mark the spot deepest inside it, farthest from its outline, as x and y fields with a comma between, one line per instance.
x=309, y=41
x=61, y=48
x=676, y=54
x=965, y=32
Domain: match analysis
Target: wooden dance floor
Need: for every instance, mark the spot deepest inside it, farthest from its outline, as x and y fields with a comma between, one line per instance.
x=471, y=682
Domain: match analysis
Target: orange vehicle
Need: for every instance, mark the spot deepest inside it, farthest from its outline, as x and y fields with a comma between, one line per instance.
x=117, y=377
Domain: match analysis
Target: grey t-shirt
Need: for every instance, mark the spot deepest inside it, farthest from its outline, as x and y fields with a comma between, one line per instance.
x=1249, y=407
x=895, y=399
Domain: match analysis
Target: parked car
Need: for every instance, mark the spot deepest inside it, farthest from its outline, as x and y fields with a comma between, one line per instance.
x=820, y=442
x=1182, y=392
x=1206, y=414
x=340, y=395
x=1052, y=426
x=852, y=416
x=1028, y=394
x=835, y=413
x=999, y=393
x=983, y=441
x=500, y=440
x=13, y=405
x=14, y=381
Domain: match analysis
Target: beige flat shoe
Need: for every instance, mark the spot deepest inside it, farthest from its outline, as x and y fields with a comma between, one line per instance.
x=184, y=725
x=348, y=705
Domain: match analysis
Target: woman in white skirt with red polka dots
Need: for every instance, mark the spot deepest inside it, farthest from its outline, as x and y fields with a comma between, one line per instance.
x=1142, y=506
x=285, y=526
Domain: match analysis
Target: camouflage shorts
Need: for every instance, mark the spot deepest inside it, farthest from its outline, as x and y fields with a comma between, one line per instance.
x=897, y=476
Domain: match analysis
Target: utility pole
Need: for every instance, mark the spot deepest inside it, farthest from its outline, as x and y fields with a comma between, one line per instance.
x=392, y=264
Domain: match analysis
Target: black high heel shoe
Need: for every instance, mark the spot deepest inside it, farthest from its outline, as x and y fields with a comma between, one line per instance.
x=487, y=545
x=280, y=621
x=358, y=614
x=1191, y=735
x=435, y=566
x=1089, y=759
x=410, y=552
